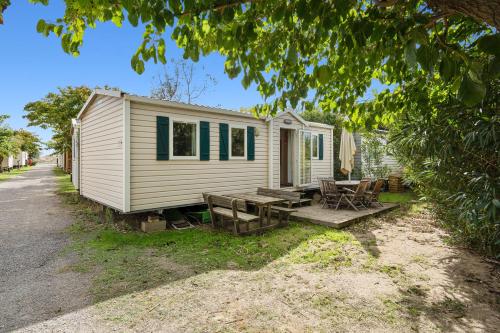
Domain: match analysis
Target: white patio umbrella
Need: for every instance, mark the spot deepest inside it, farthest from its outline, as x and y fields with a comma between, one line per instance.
x=346, y=153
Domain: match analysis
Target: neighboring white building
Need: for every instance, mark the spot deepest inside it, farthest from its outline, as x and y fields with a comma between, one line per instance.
x=7, y=162
x=387, y=159
x=141, y=154
x=75, y=153
x=21, y=159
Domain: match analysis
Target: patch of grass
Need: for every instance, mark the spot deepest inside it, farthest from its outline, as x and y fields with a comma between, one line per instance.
x=127, y=261
x=64, y=184
x=450, y=306
x=404, y=197
x=14, y=172
x=328, y=248
x=209, y=249
x=392, y=310
x=417, y=290
x=393, y=271
x=420, y=259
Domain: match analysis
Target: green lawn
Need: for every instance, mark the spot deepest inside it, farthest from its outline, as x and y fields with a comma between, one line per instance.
x=7, y=175
x=397, y=197
x=127, y=260
x=139, y=261
x=65, y=186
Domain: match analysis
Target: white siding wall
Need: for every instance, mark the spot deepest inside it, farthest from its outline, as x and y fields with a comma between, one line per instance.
x=8, y=162
x=392, y=164
x=156, y=184
x=323, y=168
x=21, y=158
x=101, y=154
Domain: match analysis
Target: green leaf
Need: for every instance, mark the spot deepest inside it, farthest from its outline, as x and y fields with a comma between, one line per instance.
x=228, y=14
x=58, y=30
x=447, y=68
x=411, y=53
x=494, y=67
x=323, y=74
x=137, y=64
x=427, y=57
x=490, y=44
x=471, y=92
x=117, y=20
x=456, y=84
x=161, y=51
x=40, y=26
x=133, y=18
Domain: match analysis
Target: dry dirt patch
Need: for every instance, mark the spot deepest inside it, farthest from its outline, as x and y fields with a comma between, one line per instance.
x=391, y=274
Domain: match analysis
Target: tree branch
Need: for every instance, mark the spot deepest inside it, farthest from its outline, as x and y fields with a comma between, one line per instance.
x=218, y=7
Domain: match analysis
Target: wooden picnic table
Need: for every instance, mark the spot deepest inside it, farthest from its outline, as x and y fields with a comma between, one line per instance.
x=263, y=202
x=347, y=183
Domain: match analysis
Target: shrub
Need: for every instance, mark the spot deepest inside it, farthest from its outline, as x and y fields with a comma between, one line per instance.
x=451, y=155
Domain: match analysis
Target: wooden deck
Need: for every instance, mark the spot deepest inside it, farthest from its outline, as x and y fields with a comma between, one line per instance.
x=337, y=218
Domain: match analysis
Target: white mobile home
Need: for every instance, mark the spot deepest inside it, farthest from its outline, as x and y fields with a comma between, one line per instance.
x=7, y=163
x=21, y=159
x=139, y=154
x=75, y=155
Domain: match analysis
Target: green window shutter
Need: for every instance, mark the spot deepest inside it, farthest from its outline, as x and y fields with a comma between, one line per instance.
x=162, y=128
x=223, y=142
x=251, y=143
x=320, y=150
x=204, y=141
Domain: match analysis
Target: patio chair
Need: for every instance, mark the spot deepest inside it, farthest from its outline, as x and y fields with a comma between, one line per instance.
x=322, y=189
x=369, y=180
x=372, y=196
x=355, y=199
x=332, y=194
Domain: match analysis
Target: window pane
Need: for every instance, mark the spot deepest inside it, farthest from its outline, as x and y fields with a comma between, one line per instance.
x=237, y=142
x=315, y=146
x=184, y=139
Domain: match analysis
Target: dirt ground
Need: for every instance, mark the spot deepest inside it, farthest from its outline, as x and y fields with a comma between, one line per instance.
x=396, y=275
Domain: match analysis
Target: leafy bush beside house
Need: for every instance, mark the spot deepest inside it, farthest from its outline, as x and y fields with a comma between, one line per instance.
x=454, y=161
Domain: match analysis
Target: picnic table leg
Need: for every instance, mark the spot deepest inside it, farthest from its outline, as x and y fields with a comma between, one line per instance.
x=261, y=215
x=269, y=214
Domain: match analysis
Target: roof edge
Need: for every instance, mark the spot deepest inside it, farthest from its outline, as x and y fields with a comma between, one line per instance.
x=186, y=106
x=93, y=95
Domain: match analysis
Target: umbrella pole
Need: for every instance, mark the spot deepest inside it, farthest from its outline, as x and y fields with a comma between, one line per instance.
x=349, y=176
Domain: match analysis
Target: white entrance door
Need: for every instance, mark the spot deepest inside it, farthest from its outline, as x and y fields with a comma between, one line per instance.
x=305, y=158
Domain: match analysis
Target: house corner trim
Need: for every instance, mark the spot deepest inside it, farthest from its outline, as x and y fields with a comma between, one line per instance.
x=126, y=155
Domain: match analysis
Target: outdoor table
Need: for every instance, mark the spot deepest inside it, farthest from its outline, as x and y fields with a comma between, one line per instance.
x=261, y=201
x=347, y=183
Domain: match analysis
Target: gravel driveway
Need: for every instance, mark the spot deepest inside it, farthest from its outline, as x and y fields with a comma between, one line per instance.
x=33, y=283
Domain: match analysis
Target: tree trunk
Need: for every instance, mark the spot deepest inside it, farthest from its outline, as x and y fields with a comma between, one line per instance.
x=484, y=11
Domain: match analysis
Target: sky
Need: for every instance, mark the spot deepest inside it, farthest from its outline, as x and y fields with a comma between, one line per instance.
x=33, y=65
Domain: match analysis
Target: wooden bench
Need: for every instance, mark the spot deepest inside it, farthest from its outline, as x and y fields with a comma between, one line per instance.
x=283, y=212
x=292, y=197
x=221, y=207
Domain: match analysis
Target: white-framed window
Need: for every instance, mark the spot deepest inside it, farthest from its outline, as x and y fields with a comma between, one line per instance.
x=184, y=139
x=237, y=142
x=315, y=146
